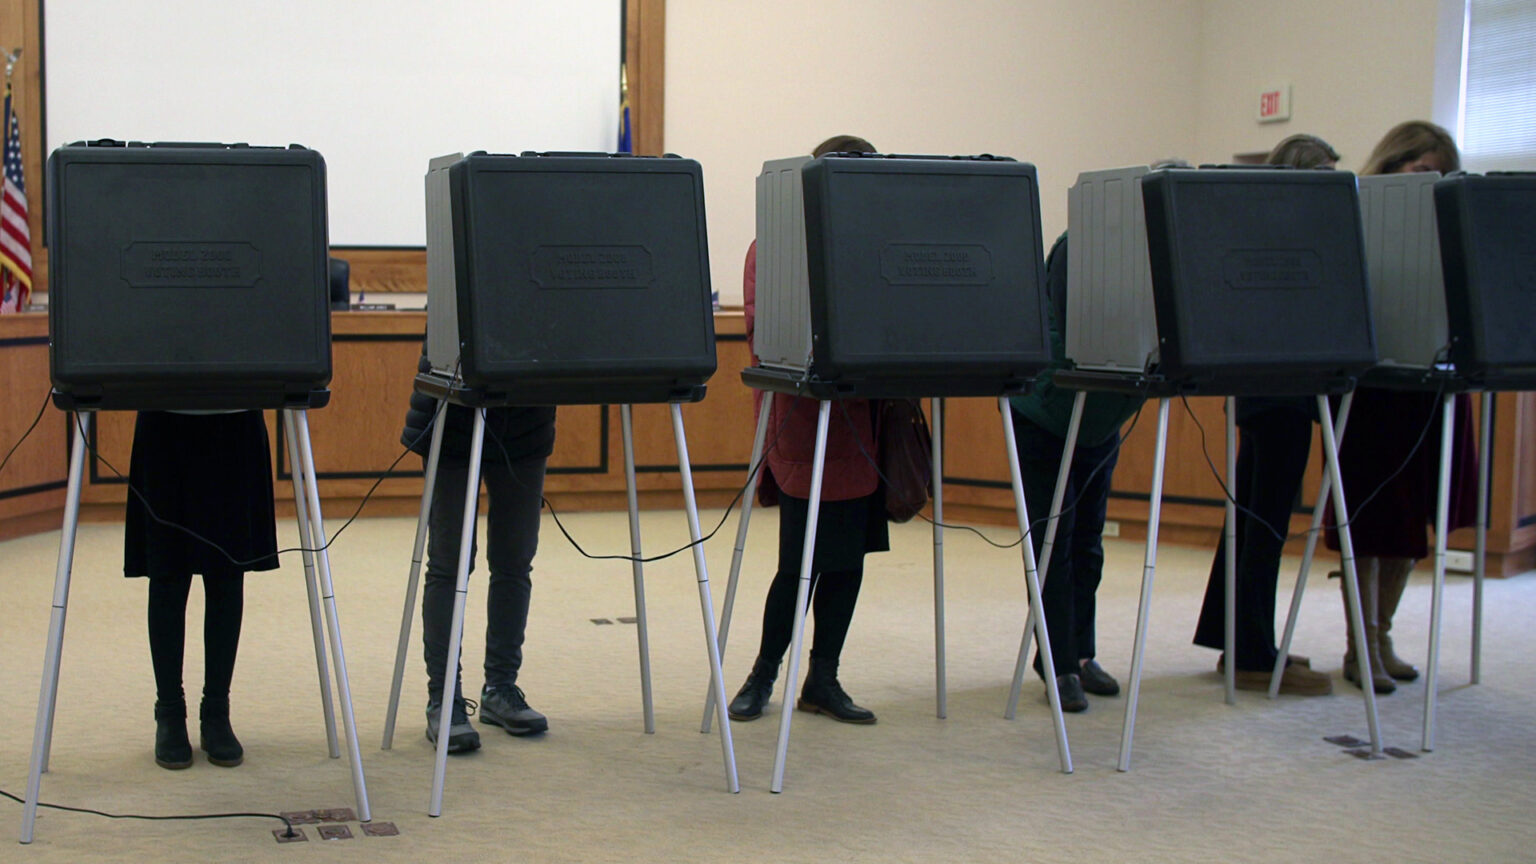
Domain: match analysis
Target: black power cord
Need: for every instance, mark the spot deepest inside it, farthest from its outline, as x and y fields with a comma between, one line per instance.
x=287, y=825
x=1230, y=495
x=27, y=434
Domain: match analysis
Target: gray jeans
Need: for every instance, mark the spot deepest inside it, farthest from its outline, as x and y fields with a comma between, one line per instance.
x=512, y=526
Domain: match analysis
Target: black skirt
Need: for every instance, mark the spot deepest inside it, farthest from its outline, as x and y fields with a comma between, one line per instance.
x=845, y=531
x=211, y=474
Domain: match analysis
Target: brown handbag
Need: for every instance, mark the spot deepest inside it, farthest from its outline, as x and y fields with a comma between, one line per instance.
x=905, y=456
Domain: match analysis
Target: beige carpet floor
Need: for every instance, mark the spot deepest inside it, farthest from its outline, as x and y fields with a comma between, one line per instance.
x=1210, y=782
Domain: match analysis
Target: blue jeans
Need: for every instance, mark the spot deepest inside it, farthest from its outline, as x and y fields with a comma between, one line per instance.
x=512, y=527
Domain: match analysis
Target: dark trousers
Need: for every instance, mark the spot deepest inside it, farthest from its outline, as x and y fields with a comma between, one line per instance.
x=1272, y=453
x=1077, y=556
x=512, y=527
x=845, y=531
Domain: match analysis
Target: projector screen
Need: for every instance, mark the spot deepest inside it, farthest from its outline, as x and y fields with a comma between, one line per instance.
x=377, y=86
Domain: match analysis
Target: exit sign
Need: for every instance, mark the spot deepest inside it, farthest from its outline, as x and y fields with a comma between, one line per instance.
x=1275, y=104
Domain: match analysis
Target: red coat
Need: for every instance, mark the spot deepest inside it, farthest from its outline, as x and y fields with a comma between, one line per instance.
x=790, y=442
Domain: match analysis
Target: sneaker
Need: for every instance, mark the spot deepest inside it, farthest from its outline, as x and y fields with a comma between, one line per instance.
x=505, y=706
x=462, y=737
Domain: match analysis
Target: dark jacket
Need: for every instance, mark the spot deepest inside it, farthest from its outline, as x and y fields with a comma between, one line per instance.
x=790, y=444
x=525, y=432
x=1049, y=406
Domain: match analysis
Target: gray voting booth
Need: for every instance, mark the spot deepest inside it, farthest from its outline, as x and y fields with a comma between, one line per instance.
x=564, y=279
x=1218, y=281
x=895, y=277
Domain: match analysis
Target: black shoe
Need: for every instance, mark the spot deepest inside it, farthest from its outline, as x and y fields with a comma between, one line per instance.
x=822, y=694
x=173, y=750
x=507, y=707
x=754, y=694
x=215, y=737
x=1097, y=681
x=1070, y=689
x=462, y=737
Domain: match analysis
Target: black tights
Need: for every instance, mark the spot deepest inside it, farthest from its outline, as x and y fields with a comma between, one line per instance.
x=224, y=602
x=833, y=596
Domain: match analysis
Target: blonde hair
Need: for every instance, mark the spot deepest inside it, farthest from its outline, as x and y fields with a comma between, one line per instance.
x=1409, y=141
x=1302, y=151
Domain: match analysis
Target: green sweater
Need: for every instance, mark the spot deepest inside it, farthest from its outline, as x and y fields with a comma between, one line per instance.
x=1049, y=406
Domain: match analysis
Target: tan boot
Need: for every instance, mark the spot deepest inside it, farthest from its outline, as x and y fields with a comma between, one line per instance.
x=1392, y=581
x=1367, y=570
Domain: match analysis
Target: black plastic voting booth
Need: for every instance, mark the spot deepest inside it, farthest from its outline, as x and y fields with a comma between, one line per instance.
x=1258, y=282
x=564, y=279
x=896, y=277
x=192, y=277
x=576, y=279
x=187, y=276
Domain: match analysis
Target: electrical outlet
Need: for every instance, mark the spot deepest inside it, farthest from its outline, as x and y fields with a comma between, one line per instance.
x=1459, y=560
x=1111, y=528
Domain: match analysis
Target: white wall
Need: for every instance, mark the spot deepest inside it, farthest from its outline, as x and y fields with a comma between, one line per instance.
x=1356, y=68
x=1067, y=85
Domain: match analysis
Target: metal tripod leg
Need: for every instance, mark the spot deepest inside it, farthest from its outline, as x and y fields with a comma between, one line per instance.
x=642, y=628
x=306, y=458
x=747, y=498
x=1148, y=571
x=1480, y=556
x=941, y=706
x=412, y=581
x=802, y=595
x=1229, y=608
x=1044, y=562
x=1351, y=580
x=1442, y=528
x=1306, y=559
x=456, y=630
x=1032, y=584
x=311, y=587
x=706, y=603
x=42, y=731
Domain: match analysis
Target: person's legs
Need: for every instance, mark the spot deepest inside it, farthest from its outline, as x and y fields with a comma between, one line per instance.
x=1092, y=473
x=512, y=539
x=1039, y=462
x=835, y=597
x=167, y=644
x=224, y=607
x=1391, y=581
x=445, y=525
x=1271, y=459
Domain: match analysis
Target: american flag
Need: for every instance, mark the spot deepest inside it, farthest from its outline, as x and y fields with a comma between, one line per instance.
x=15, y=236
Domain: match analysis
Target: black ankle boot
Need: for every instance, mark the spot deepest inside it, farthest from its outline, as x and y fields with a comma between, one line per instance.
x=172, y=749
x=217, y=739
x=753, y=696
x=823, y=695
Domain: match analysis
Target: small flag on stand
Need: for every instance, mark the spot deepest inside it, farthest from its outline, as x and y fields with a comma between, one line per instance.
x=626, y=135
x=15, y=236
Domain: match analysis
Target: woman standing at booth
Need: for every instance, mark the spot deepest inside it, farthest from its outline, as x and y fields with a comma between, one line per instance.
x=1387, y=447
x=200, y=502
x=1274, y=442
x=851, y=522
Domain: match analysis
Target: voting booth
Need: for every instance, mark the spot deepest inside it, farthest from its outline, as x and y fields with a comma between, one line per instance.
x=895, y=277
x=192, y=277
x=563, y=279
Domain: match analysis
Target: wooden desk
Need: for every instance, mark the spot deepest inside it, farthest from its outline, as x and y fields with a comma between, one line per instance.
x=357, y=436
